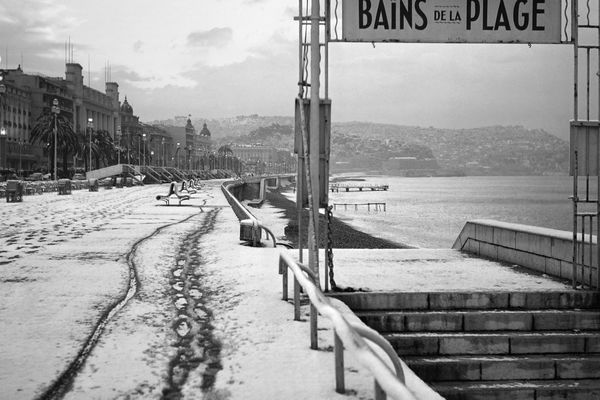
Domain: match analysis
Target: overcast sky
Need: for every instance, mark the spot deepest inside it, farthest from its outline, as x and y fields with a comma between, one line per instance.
x=221, y=58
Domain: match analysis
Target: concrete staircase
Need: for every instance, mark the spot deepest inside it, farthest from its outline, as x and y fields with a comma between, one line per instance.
x=494, y=345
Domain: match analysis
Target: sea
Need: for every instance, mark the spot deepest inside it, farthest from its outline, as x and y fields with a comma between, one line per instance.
x=430, y=212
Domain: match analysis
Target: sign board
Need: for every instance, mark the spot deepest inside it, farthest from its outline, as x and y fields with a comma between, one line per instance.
x=585, y=148
x=452, y=21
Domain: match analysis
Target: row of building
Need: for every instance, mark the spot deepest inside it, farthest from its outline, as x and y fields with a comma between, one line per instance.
x=25, y=97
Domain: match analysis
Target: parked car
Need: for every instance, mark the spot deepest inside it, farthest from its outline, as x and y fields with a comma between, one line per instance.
x=79, y=177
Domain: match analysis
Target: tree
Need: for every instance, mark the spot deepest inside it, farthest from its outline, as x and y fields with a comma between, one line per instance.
x=43, y=132
x=104, y=146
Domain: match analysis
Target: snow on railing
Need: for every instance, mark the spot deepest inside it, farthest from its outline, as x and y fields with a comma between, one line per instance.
x=348, y=335
x=250, y=227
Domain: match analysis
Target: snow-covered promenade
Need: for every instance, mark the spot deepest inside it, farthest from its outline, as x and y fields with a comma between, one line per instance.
x=112, y=294
x=203, y=304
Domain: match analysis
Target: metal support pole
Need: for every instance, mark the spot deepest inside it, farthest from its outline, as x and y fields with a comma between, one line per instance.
x=55, y=151
x=338, y=350
x=313, y=237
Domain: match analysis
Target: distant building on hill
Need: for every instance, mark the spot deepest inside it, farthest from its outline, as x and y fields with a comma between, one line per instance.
x=410, y=166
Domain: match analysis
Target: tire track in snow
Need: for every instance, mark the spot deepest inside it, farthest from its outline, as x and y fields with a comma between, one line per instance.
x=63, y=383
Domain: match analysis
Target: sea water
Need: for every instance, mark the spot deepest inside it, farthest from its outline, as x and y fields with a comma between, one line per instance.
x=430, y=212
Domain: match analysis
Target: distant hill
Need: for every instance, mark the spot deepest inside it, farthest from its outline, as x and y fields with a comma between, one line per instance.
x=494, y=150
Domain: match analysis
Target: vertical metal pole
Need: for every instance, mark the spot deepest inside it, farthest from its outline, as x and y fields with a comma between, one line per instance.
x=574, y=39
x=590, y=252
x=299, y=195
x=55, y=151
x=326, y=50
x=338, y=350
x=284, y=282
x=574, y=262
x=598, y=178
x=313, y=237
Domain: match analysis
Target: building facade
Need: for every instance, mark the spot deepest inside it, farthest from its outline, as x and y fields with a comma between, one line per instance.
x=29, y=96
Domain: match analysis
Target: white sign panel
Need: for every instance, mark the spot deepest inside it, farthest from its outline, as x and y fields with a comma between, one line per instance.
x=452, y=21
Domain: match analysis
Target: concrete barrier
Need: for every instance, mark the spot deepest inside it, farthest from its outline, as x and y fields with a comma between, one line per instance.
x=549, y=251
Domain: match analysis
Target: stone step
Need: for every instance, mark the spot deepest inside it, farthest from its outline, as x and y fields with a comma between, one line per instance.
x=478, y=368
x=581, y=389
x=478, y=320
x=499, y=343
x=362, y=301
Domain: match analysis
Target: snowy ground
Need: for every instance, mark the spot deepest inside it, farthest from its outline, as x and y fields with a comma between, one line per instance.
x=206, y=320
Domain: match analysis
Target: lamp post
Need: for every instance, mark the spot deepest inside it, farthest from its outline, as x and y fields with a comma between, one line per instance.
x=162, y=142
x=90, y=125
x=2, y=145
x=55, y=111
x=177, y=155
x=118, y=145
x=144, y=149
x=20, y=151
x=151, y=157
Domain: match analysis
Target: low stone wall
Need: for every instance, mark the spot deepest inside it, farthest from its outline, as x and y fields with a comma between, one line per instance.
x=549, y=251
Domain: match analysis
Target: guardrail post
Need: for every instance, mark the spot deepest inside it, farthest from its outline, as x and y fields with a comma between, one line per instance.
x=379, y=393
x=296, y=299
x=283, y=270
x=314, y=339
x=285, y=284
x=338, y=351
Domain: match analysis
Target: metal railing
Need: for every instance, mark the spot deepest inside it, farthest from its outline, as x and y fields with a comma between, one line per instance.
x=347, y=335
x=250, y=227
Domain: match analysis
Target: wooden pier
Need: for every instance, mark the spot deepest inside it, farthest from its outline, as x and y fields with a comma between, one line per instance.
x=335, y=187
x=374, y=206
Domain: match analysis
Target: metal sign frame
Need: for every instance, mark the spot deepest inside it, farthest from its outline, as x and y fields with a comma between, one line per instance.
x=442, y=14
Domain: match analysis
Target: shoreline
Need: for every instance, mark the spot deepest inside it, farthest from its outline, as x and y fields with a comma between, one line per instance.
x=344, y=236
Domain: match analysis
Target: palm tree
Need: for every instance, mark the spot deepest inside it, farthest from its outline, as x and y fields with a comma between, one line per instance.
x=105, y=147
x=43, y=132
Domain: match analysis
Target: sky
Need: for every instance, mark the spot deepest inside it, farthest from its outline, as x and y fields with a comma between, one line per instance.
x=223, y=58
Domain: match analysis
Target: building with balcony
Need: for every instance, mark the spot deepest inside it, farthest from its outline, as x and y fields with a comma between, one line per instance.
x=29, y=96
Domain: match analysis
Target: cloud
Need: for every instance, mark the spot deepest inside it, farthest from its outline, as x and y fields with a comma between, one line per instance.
x=215, y=37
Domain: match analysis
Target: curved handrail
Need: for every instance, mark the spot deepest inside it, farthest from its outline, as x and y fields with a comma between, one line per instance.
x=352, y=337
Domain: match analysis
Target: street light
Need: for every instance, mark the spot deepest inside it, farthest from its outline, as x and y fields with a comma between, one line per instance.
x=163, y=151
x=90, y=125
x=20, y=151
x=2, y=143
x=144, y=149
x=177, y=154
x=151, y=156
x=55, y=111
x=118, y=145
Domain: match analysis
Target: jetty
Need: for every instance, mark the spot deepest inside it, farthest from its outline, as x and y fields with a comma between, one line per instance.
x=336, y=187
x=374, y=206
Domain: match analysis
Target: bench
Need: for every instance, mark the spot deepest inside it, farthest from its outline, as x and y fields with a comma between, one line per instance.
x=64, y=186
x=14, y=191
x=173, y=192
x=186, y=187
x=195, y=184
